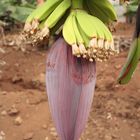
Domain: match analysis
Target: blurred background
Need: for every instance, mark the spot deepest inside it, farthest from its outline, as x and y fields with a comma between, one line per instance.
x=24, y=111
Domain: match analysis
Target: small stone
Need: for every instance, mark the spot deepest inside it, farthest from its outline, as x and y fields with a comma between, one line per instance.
x=2, y=51
x=11, y=43
x=44, y=126
x=4, y=93
x=2, y=63
x=117, y=67
x=4, y=113
x=107, y=137
x=1, y=138
x=23, y=49
x=53, y=129
x=132, y=135
x=13, y=111
x=18, y=121
x=46, y=138
x=2, y=135
x=17, y=65
x=29, y=136
x=16, y=79
x=53, y=134
x=27, y=101
x=109, y=116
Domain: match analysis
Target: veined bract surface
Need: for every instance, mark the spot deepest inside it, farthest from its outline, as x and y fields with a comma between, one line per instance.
x=70, y=87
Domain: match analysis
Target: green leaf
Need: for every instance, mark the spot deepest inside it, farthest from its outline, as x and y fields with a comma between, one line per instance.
x=21, y=13
x=131, y=63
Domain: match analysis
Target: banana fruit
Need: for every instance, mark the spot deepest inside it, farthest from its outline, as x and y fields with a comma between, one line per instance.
x=44, y=18
x=91, y=37
x=54, y=17
x=69, y=35
x=102, y=9
x=83, y=30
x=39, y=14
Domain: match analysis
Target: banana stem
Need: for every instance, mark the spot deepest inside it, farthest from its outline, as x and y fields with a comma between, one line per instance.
x=77, y=4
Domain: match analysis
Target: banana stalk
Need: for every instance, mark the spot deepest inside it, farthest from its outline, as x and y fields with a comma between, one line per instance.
x=70, y=86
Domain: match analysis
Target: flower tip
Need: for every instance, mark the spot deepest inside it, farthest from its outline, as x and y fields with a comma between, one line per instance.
x=93, y=42
x=84, y=56
x=27, y=27
x=82, y=49
x=78, y=55
x=75, y=50
x=91, y=60
x=101, y=43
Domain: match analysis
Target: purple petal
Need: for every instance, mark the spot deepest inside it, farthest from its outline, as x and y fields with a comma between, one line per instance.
x=70, y=87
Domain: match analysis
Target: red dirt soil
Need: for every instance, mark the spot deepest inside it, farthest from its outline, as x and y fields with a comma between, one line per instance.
x=24, y=111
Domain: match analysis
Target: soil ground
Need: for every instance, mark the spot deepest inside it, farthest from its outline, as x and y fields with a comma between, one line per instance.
x=24, y=111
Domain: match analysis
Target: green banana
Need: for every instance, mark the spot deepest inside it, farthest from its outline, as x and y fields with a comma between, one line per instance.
x=131, y=63
x=79, y=38
x=107, y=38
x=58, y=27
x=43, y=10
x=76, y=31
x=101, y=42
x=69, y=35
x=52, y=20
x=84, y=36
x=38, y=16
x=68, y=31
x=86, y=23
x=102, y=9
x=93, y=27
x=97, y=12
x=88, y=54
x=57, y=14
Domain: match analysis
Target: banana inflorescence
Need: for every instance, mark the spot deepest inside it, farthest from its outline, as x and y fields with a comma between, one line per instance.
x=83, y=25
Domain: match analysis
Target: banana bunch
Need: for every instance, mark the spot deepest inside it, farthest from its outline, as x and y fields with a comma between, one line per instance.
x=102, y=9
x=88, y=36
x=45, y=18
x=83, y=26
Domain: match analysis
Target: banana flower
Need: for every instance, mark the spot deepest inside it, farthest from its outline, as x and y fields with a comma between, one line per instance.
x=71, y=68
x=70, y=85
